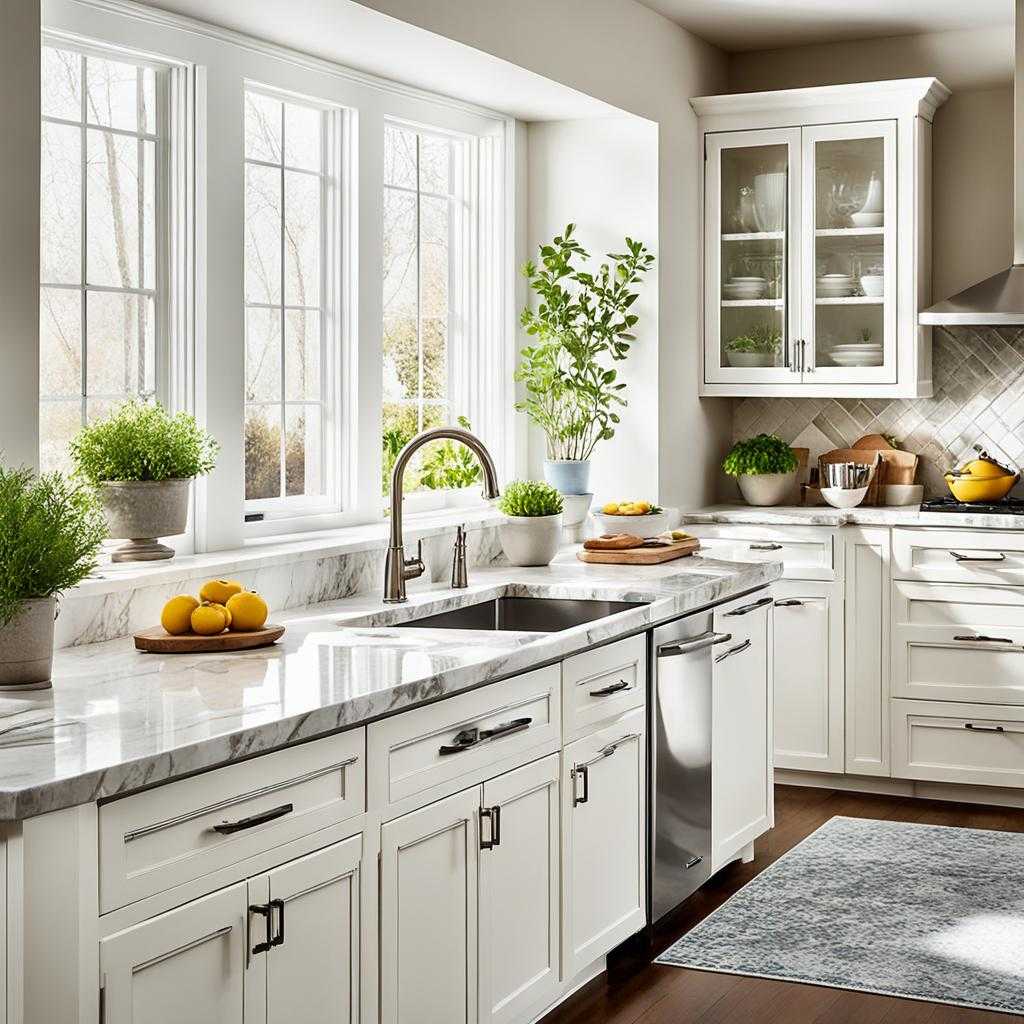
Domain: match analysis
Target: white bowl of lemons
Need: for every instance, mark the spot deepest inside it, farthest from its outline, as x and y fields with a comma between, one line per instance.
x=640, y=518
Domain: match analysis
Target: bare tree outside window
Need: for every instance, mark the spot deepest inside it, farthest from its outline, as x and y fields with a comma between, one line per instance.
x=284, y=234
x=98, y=273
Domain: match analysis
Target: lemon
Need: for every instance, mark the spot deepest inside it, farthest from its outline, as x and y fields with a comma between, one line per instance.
x=224, y=609
x=611, y=509
x=218, y=591
x=209, y=620
x=643, y=506
x=248, y=611
x=177, y=614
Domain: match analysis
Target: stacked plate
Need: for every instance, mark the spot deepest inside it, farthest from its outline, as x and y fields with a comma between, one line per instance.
x=835, y=286
x=858, y=353
x=745, y=288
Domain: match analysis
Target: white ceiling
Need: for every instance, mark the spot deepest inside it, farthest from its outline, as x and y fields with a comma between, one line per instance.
x=737, y=25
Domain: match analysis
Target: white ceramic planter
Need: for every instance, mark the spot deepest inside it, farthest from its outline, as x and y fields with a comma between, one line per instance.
x=530, y=540
x=574, y=512
x=750, y=358
x=26, y=646
x=767, y=488
x=142, y=511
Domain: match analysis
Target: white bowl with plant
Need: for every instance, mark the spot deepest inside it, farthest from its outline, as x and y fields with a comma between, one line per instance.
x=758, y=346
x=765, y=468
x=51, y=530
x=532, y=528
x=141, y=460
x=583, y=325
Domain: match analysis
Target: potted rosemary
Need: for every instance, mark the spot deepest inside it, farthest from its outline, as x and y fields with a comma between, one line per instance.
x=582, y=326
x=141, y=460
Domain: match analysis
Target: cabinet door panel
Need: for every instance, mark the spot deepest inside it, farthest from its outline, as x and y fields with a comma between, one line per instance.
x=186, y=965
x=313, y=977
x=604, y=843
x=519, y=892
x=428, y=913
x=808, y=664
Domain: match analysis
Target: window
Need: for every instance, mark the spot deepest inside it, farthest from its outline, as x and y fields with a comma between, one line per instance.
x=423, y=275
x=289, y=416
x=101, y=296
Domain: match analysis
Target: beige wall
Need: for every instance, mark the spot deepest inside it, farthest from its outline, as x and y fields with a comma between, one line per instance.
x=972, y=158
x=19, y=231
x=632, y=58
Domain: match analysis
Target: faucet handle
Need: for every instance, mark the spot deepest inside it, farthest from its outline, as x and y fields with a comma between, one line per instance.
x=414, y=567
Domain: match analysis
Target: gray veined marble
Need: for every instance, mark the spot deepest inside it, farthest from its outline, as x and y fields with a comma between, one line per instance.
x=825, y=515
x=117, y=720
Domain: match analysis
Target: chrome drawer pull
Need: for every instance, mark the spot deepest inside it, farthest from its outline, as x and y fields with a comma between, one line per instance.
x=771, y=546
x=708, y=639
x=790, y=602
x=583, y=770
x=229, y=828
x=996, y=556
x=493, y=816
x=219, y=933
x=220, y=805
x=983, y=728
x=738, y=649
x=466, y=739
x=607, y=691
x=982, y=639
x=746, y=609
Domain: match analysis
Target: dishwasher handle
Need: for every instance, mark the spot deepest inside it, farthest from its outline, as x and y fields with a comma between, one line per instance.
x=699, y=643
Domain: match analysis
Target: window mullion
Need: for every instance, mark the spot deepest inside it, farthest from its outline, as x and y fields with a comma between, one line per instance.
x=282, y=414
x=419, y=293
x=83, y=245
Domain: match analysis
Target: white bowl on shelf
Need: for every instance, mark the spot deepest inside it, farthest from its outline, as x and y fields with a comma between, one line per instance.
x=873, y=285
x=840, y=497
x=867, y=220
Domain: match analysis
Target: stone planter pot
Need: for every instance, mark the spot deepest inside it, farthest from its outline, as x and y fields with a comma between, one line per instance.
x=142, y=511
x=26, y=646
x=745, y=359
x=767, y=488
x=568, y=476
x=530, y=540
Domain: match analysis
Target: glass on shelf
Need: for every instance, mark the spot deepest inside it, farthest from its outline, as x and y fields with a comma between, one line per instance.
x=753, y=189
x=849, y=336
x=849, y=186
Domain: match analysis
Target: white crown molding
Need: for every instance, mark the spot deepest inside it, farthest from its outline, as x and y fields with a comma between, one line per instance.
x=924, y=94
x=166, y=19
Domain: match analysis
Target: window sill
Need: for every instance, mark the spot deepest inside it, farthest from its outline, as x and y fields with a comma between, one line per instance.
x=264, y=552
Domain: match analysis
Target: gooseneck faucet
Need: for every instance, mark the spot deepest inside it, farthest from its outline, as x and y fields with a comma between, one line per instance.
x=398, y=568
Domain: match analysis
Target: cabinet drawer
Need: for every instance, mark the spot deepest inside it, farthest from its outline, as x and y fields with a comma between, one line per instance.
x=944, y=742
x=603, y=683
x=958, y=556
x=957, y=642
x=155, y=840
x=806, y=552
x=468, y=734
x=744, y=619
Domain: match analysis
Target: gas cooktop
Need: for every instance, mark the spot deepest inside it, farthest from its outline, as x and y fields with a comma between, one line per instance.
x=1006, y=507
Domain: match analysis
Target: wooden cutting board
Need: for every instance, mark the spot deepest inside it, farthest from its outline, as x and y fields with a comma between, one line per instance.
x=158, y=641
x=642, y=556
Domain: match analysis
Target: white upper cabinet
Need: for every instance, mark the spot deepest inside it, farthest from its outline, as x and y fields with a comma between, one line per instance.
x=817, y=208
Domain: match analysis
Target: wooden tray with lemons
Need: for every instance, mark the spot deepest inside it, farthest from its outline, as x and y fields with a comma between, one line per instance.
x=225, y=617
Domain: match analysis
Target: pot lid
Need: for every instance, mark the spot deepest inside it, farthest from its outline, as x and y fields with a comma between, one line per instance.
x=984, y=467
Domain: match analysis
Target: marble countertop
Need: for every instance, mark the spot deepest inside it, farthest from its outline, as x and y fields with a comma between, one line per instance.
x=825, y=515
x=117, y=720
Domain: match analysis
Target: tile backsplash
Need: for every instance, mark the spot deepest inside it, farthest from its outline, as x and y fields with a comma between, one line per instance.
x=978, y=375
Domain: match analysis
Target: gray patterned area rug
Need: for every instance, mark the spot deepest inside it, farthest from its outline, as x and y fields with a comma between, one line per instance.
x=917, y=911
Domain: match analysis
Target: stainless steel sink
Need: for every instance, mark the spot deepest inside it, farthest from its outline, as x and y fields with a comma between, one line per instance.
x=524, y=614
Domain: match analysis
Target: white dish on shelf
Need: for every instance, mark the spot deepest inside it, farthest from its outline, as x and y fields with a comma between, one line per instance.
x=856, y=361
x=858, y=346
x=873, y=285
x=867, y=220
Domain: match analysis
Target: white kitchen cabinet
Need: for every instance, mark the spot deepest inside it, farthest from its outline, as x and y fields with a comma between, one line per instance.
x=868, y=630
x=519, y=892
x=807, y=656
x=603, y=840
x=185, y=965
x=741, y=751
x=429, y=867
x=817, y=239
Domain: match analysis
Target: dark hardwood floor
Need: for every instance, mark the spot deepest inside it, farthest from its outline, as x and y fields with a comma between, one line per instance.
x=636, y=991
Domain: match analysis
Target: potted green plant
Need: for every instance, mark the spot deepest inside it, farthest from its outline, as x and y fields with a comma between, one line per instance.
x=50, y=535
x=141, y=460
x=757, y=347
x=582, y=326
x=532, y=529
x=765, y=467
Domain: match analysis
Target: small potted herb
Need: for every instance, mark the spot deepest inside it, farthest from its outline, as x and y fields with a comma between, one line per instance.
x=141, y=460
x=50, y=535
x=765, y=467
x=532, y=529
x=758, y=347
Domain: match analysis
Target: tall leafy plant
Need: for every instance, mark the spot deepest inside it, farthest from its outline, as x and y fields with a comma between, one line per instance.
x=583, y=325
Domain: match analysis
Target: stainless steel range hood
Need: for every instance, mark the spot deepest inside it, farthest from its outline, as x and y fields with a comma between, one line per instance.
x=998, y=301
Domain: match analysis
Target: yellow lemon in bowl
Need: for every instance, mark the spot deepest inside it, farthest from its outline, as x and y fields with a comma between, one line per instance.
x=248, y=611
x=219, y=591
x=176, y=617
x=209, y=620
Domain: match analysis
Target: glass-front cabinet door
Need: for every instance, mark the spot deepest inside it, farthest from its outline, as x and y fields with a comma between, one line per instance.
x=751, y=219
x=848, y=282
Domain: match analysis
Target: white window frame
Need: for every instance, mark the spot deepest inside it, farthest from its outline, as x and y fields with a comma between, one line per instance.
x=334, y=276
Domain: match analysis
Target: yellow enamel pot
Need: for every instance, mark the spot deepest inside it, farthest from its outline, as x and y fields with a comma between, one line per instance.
x=981, y=480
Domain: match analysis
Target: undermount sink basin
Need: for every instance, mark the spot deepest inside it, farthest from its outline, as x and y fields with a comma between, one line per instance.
x=524, y=614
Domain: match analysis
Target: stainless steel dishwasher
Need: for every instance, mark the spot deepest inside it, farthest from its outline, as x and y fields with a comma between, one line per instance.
x=680, y=757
